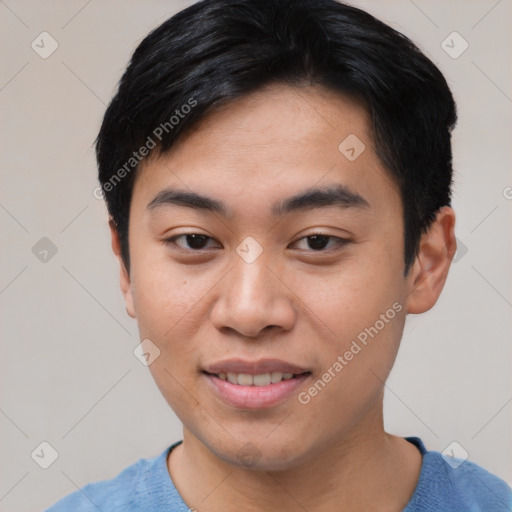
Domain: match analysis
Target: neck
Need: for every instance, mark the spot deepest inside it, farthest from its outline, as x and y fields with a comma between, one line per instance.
x=367, y=469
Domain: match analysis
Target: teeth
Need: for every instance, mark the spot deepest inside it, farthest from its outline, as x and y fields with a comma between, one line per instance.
x=244, y=379
x=276, y=377
x=263, y=379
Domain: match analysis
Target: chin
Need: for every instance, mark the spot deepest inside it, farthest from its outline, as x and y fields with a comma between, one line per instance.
x=264, y=455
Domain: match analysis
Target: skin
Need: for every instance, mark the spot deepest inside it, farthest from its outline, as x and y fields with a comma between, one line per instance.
x=293, y=303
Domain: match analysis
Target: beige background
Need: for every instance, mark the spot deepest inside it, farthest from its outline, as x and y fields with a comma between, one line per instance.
x=68, y=374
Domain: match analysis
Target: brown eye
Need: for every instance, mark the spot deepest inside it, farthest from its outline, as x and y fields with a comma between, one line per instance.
x=318, y=242
x=192, y=241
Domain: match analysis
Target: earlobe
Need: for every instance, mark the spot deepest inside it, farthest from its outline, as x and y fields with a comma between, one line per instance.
x=124, y=277
x=430, y=270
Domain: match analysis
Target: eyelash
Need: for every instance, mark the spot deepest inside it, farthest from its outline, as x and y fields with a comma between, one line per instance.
x=340, y=242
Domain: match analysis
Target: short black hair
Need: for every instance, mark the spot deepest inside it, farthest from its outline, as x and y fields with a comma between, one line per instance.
x=216, y=51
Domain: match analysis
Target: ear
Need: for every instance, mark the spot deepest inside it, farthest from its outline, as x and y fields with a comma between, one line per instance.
x=124, y=277
x=428, y=274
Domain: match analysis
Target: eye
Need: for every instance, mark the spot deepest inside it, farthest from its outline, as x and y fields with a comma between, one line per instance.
x=194, y=241
x=318, y=241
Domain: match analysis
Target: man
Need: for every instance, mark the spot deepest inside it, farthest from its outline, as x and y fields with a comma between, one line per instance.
x=278, y=178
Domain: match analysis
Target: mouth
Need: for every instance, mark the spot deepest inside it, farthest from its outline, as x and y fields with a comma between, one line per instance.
x=259, y=380
x=254, y=385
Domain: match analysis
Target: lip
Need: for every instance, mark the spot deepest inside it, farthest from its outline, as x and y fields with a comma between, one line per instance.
x=254, y=397
x=254, y=367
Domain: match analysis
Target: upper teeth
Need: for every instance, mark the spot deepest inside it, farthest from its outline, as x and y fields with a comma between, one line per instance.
x=263, y=379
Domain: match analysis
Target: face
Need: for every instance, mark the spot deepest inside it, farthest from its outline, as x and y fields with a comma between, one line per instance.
x=244, y=281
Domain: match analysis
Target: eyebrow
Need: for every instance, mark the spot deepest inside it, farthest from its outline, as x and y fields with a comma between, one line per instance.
x=335, y=195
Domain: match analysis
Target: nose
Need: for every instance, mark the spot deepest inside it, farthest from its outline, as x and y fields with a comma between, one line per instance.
x=253, y=297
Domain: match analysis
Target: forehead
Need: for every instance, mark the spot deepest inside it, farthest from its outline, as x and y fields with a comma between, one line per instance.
x=268, y=144
x=279, y=117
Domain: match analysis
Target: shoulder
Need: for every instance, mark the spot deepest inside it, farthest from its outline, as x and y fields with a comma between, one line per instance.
x=483, y=488
x=121, y=493
x=456, y=485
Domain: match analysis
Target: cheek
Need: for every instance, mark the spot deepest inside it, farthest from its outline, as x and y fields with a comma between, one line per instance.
x=351, y=298
x=168, y=307
x=165, y=295
x=360, y=319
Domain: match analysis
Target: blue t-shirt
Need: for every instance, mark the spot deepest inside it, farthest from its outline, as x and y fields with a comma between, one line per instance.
x=442, y=487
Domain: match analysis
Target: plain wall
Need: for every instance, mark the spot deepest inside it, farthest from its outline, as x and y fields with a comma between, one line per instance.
x=68, y=374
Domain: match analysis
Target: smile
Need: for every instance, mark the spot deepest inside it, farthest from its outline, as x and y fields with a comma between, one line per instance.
x=262, y=379
x=260, y=391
